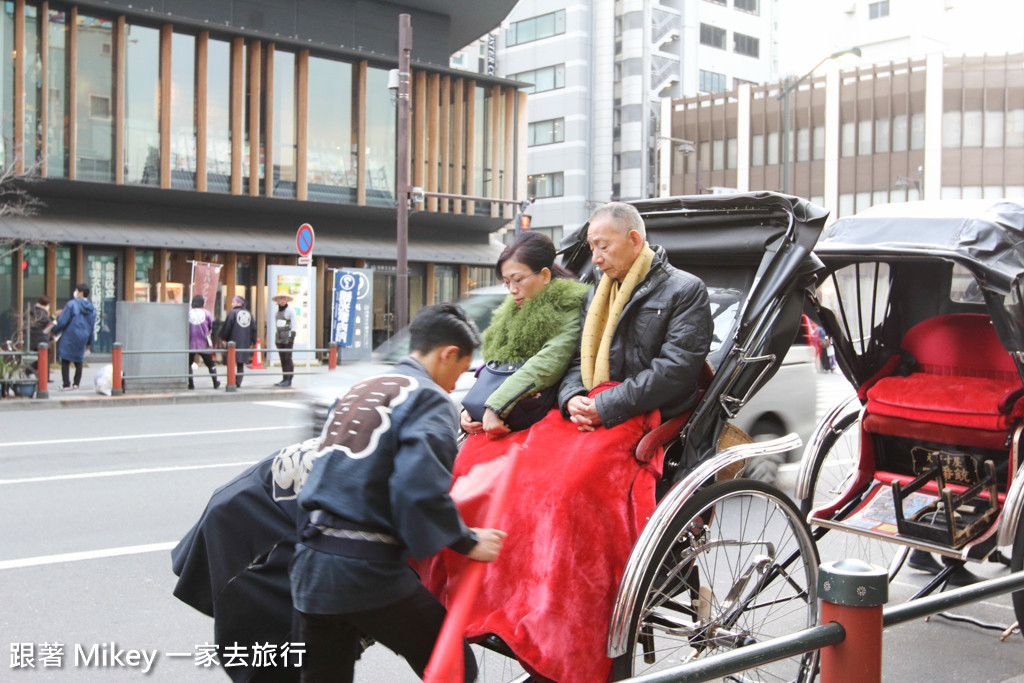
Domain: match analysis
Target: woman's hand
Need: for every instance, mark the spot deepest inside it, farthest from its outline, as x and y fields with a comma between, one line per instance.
x=583, y=412
x=488, y=545
x=494, y=425
x=469, y=426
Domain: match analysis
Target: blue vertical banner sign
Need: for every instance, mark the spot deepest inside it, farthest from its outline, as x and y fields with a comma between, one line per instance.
x=350, y=315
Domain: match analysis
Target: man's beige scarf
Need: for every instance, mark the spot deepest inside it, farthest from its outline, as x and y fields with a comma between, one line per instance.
x=602, y=316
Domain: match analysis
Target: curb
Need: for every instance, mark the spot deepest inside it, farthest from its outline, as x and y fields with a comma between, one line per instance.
x=99, y=401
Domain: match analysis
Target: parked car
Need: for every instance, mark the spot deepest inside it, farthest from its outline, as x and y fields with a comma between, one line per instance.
x=786, y=404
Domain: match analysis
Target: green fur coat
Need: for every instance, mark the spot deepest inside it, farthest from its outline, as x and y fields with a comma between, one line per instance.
x=543, y=333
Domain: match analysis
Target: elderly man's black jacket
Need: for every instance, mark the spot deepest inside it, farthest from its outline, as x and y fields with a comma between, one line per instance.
x=658, y=347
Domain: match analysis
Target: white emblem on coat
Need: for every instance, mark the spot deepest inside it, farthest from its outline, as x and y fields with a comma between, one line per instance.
x=196, y=316
x=243, y=318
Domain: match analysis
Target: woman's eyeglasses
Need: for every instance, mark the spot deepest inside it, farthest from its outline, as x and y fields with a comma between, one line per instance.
x=516, y=281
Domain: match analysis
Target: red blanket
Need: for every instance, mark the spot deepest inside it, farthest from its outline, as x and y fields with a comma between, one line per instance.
x=578, y=506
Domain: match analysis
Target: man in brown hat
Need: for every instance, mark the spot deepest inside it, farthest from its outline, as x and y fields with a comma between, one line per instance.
x=285, y=325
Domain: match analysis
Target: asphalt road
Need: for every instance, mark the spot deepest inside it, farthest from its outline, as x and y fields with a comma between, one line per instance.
x=92, y=500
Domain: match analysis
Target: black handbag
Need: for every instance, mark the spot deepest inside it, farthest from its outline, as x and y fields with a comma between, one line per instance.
x=528, y=410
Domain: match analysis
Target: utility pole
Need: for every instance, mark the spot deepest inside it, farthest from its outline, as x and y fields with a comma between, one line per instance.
x=402, y=173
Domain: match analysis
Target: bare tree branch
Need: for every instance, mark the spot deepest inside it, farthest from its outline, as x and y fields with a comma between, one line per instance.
x=17, y=200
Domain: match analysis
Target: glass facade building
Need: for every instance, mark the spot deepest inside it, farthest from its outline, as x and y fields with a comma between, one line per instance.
x=159, y=141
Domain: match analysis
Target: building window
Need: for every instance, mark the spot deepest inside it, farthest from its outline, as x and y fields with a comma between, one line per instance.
x=994, y=127
x=544, y=185
x=899, y=133
x=218, y=116
x=818, y=143
x=711, y=82
x=1015, y=128
x=332, y=165
x=757, y=150
x=803, y=144
x=183, y=111
x=535, y=28
x=555, y=233
x=972, y=128
x=546, y=132
x=864, y=137
x=284, y=177
x=951, y=129
x=712, y=36
x=141, y=105
x=731, y=153
x=99, y=107
x=746, y=6
x=746, y=45
x=547, y=78
x=917, y=131
x=772, y=157
x=877, y=10
x=718, y=155
x=723, y=3
x=94, y=127
x=881, y=136
x=848, y=139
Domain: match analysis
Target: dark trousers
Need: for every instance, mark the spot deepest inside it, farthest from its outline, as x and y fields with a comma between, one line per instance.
x=239, y=372
x=409, y=627
x=207, y=359
x=287, y=366
x=65, y=372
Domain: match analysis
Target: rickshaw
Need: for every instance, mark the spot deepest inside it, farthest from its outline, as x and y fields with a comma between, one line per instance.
x=724, y=561
x=925, y=307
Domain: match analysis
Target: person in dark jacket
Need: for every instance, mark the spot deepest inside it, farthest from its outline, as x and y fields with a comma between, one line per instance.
x=239, y=328
x=647, y=325
x=39, y=325
x=378, y=494
x=285, y=325
x=76, y=325
x=200, y=323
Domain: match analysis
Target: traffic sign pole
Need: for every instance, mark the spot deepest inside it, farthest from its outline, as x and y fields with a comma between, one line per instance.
x=304, y=244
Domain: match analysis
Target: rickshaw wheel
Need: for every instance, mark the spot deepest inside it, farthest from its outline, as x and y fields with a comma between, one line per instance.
x=1017, y=564
x=737, y=566
x=835, y=463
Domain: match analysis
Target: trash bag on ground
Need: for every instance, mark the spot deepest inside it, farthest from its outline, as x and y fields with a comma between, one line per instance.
x=104, y=380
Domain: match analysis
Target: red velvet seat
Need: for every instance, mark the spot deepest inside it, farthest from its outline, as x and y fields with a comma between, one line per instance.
x=963, y=377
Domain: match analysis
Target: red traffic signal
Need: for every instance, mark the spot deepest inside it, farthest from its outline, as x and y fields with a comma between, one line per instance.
x=524, y=222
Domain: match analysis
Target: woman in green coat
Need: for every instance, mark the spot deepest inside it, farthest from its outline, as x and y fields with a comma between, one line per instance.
x=538, y=325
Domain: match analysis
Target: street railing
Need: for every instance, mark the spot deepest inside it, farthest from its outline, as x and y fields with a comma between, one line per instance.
x=850, y=637
x=118, y=353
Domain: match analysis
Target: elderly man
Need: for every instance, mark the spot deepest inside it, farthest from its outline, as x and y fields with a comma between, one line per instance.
x=647, y=325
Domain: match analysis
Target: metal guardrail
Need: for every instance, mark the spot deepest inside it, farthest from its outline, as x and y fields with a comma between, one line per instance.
x=835, y=632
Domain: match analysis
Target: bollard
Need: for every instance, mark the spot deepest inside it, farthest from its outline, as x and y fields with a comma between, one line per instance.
x=231, y=367
x=43, y=370
x=117, y=388
x=332, y=356
x=852, y=594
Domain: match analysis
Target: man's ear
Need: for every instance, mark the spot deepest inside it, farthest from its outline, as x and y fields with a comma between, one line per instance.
x=636, y=239
x=450, y=353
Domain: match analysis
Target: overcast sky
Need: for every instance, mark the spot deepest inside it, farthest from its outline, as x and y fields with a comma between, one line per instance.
x=979, y=26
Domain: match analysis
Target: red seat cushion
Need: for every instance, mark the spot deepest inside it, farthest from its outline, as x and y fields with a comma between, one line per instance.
x=958, y=401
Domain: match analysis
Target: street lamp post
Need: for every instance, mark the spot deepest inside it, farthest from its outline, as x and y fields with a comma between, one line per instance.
x=402, y=189
x=789, y=85
x=687, y=147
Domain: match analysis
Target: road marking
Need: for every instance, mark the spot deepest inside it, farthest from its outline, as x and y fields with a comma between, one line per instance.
x=294, y=405
x=120, y=473
x=49, y=442
x=86, y=555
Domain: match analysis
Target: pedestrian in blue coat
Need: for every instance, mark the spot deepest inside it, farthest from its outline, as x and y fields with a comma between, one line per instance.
x=76, y=326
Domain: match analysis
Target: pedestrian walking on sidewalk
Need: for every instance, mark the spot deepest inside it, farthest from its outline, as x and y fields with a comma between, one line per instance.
x=238, y=327
x=200, y=322
x=285, y=324
x=40, y=324
x=75, y=328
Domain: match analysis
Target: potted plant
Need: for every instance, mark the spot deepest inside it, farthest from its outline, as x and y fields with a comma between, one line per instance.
x=16, y=377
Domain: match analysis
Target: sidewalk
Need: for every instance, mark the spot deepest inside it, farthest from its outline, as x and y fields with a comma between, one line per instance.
x=257, y=385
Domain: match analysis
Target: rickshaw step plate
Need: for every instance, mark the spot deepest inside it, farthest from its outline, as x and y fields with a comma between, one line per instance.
x=913, y=543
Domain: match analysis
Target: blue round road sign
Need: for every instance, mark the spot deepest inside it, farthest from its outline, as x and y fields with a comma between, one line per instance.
x=304, y=239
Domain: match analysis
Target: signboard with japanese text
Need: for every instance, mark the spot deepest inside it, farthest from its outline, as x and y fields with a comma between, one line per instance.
x=351, y=319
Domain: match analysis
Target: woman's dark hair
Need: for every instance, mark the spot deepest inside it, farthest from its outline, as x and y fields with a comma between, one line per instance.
x=43, y=300
x=443, y=325
x=198, y=300
x=534, y=250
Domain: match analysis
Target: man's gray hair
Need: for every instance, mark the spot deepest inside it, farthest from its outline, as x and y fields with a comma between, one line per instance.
x=623, y=216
